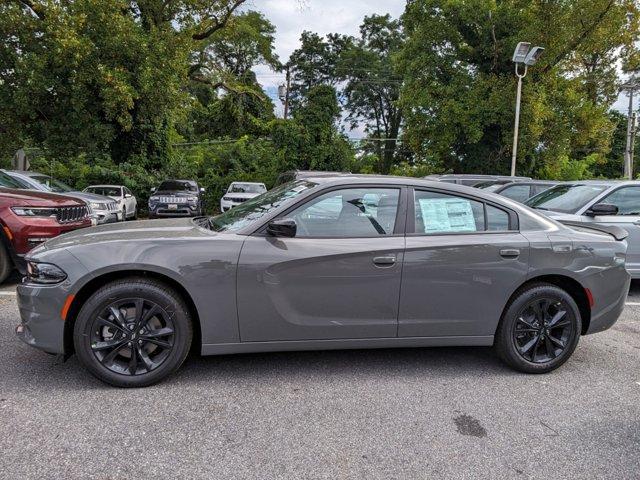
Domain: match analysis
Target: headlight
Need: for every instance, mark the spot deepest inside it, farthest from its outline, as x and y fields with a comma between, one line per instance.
x=98, y=206
x=192, y=199
x=44, y=273
x=154, y=199
x=34, y=211
x=227, y=199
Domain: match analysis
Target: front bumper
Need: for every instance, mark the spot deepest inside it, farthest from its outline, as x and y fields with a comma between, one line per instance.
x=179, y=210
x=106, y=216
x=41, y=323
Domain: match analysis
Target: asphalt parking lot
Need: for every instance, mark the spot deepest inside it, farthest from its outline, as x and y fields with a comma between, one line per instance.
x=415, y=413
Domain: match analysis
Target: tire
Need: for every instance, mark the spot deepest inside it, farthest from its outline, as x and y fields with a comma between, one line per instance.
x=135, y=213
x=525, y=342
x=124, y=214
x=105, y=337
x=6, y=265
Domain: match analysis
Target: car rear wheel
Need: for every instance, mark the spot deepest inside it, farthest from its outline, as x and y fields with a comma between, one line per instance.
x=133, y=333
x=6, y=265
x=539, y=330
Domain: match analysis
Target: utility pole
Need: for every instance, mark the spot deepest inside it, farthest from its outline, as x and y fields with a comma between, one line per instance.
x=630, y=87
x=283, y=92
x=286, y=98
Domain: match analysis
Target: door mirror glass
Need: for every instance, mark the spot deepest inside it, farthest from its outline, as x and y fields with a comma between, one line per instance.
x=600, y=209
x=282, y=228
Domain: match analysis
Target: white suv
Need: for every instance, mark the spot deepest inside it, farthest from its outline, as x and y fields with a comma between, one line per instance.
x=239, y=192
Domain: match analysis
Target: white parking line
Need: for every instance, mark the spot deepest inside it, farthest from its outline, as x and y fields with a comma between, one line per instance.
x=636, y=304
x=7, y=294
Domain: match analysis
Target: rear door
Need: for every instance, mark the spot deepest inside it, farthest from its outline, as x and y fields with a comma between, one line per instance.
x=464, y=258
x=338, y=278
x=627, y=199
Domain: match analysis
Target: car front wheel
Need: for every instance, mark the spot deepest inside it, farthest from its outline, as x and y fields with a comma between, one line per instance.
x=6, y=265
x=539, y=330
x=133, y=332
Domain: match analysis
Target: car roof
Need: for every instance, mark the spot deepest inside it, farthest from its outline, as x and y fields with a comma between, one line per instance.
x=28, y=173
x=105, y=186
x=247, y=183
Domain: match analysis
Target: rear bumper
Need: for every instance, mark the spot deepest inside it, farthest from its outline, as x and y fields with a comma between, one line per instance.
x=604, y=317
x=41, y=325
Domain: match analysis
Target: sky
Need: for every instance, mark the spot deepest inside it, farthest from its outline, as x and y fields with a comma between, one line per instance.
x=292, y=17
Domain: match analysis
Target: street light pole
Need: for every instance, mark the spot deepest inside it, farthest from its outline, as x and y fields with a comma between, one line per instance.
x=631, y=86
x=525, y=55
x=516, y=127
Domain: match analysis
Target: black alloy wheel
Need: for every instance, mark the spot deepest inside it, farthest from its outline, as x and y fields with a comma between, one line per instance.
x=133, y=332
x=539, y=329
x=132, y=336
x=543, y=330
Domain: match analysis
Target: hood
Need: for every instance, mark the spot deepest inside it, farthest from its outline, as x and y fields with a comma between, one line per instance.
x=154, y=230
x=173, y=193
x=91, y=197
x=35, y=198
x=241, y=195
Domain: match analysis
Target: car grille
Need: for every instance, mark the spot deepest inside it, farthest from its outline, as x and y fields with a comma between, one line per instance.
x=174, y=200
x=72, y=214
x=112, y=207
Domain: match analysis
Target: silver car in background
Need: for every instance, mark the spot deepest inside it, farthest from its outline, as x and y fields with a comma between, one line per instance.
x=325, y=263
x=600, y=202
x=103, y=209
x=127, y=202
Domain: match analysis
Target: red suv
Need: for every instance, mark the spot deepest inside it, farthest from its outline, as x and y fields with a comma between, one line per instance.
x=28, y=218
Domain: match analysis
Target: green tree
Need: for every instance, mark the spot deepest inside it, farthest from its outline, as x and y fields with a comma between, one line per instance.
x=372, y=87
x=96, y=75
x=459, y=85
x=311, y=141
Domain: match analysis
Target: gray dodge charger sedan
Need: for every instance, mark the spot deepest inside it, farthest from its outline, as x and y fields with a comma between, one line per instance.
x=331, y=262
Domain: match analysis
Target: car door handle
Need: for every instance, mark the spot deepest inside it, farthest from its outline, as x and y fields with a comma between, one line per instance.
x=509, y=252
x=385, y=260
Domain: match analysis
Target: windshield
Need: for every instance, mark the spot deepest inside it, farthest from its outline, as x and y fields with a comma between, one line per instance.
x=105, y=191
x=254, y=209
x=566, y=198
x=8, y=182
x=52, y=184
x=246, y=188
x=177, y=186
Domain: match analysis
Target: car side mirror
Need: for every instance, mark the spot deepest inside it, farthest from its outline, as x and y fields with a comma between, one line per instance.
x=202, y=190
x=153, y=190
x=284, y=227
x=600, y=209
x=127, y=195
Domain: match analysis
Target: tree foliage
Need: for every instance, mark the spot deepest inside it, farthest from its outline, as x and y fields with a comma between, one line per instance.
x=459, y=83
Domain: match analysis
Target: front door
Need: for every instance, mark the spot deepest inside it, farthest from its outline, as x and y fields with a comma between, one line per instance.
x=338, y=278
x=462, y=262
x=627, y=199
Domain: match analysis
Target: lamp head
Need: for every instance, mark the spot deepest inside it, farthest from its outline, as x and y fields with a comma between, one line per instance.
x=520, y=54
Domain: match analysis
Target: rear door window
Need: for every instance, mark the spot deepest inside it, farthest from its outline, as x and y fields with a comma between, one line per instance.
x=441, y=213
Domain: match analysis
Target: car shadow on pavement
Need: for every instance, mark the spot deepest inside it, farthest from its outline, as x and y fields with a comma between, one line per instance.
x=43, y=371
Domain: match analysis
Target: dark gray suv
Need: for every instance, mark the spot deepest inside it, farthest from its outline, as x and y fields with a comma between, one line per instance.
x=326, y=263
x=176, y=198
